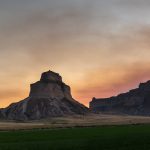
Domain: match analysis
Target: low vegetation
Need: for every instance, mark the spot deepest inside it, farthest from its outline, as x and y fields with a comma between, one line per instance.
x=124, y=137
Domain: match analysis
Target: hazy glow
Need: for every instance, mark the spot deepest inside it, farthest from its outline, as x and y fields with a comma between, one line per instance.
x=99, y=47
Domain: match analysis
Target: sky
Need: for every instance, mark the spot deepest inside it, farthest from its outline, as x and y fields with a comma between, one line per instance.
x=100, y=48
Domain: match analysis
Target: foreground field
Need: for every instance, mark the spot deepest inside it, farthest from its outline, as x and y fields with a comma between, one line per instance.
x=129, y=137
x=75, y=121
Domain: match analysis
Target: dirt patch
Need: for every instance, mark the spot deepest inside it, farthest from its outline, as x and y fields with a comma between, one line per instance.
x=75, y=121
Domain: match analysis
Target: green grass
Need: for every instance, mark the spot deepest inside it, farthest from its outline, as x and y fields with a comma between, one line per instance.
x=131, y=137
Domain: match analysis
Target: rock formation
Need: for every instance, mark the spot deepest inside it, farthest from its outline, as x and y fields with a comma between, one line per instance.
x=49, y=97
x=134, y=102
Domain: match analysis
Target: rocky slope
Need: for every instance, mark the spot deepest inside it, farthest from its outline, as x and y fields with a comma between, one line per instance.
x=134, y=102
x=49, y=97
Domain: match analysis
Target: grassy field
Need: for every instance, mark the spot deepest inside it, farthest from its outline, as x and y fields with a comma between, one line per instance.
x=75, y=121
x=125, y=137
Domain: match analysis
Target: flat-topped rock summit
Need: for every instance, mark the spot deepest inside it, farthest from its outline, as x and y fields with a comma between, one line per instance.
x=48, y=97
x=50, y=76
x=50, y=86
x=134, y=102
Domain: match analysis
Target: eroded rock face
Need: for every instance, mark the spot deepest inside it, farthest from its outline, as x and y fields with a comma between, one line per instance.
x=49, y=97
x=134, y=102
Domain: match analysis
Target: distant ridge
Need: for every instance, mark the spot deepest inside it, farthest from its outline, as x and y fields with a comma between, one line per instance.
x=134, y=102
x=49, y=97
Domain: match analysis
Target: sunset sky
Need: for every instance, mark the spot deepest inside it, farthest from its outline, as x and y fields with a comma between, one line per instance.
x=99, y=47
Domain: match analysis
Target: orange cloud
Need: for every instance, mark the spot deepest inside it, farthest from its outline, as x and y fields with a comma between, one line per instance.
x=111, y=81
x=11, y=96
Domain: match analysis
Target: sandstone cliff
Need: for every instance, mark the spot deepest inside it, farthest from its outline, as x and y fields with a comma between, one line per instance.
x=49, y=97
x=134, y=102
